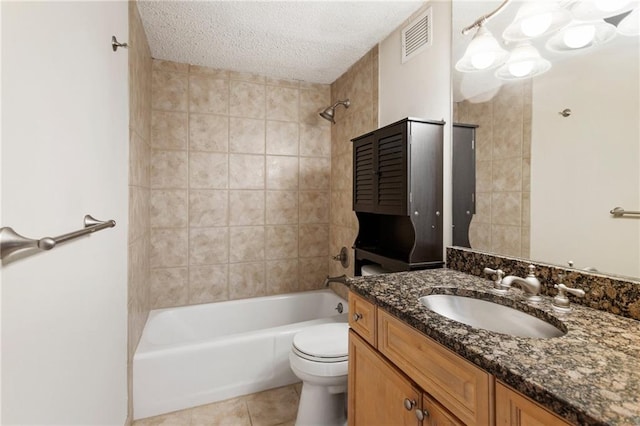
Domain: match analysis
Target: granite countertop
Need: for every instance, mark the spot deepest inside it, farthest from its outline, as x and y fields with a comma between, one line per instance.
x=589, y=376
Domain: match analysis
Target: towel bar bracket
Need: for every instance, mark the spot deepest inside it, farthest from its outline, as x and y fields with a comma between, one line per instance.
x=619, y=212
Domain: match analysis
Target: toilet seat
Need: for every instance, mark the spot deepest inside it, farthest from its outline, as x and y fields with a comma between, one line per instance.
x=326, y=343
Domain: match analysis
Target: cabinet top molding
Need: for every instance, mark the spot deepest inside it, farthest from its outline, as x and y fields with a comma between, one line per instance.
x=404, y=120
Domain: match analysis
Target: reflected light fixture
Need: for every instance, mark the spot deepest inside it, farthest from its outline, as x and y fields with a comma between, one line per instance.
x=523, y=62
x=587, y=10
x=484, y=51
x=581, y=35
x=630, y=25
x=535, y=19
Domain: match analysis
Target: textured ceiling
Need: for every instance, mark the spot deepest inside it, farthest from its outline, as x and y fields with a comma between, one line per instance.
x=314, y=41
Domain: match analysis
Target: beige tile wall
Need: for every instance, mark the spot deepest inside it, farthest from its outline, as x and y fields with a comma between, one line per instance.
x=503, y=158
x=240, y=181
x=360, y=85
x=139, y=181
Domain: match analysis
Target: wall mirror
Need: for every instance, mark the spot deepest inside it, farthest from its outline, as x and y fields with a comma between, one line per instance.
x=558, y=140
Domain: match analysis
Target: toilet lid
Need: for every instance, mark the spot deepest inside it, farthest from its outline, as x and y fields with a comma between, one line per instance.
x=323, y=343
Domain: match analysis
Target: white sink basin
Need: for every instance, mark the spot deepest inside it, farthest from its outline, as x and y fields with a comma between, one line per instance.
x=490, y=316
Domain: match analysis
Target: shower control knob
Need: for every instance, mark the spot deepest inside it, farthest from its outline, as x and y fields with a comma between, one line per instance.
x=357, y=317
x=409, y=404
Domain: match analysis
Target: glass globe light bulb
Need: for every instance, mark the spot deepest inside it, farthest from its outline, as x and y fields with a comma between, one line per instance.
x=520, y=69
x=579, y=36
x=537, y=24
x=483, y=60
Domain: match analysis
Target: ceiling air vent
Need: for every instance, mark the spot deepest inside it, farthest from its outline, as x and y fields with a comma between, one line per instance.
x=416, y=36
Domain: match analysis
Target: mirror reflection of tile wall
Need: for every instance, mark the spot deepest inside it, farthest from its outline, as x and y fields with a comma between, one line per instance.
x=503, y=159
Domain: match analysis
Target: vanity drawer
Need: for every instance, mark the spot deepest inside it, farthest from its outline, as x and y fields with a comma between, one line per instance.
x=461, y=387
x=362, y=318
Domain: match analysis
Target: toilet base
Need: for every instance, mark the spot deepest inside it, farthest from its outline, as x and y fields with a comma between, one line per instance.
x=320, y=407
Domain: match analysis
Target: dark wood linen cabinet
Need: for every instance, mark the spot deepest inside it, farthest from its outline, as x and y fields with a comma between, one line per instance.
x=463, y=182
x=397, y=195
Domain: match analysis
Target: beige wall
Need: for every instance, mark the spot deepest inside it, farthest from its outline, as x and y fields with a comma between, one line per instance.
x=421, y=87
x=139, y=162
x=240, y=169
x=65, y=146
x=360, y=85
x=503, y=158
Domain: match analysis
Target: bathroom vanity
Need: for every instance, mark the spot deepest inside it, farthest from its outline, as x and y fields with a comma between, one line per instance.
x=408, y=365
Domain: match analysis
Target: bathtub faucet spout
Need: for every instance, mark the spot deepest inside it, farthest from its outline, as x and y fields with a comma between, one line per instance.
x=341, y=279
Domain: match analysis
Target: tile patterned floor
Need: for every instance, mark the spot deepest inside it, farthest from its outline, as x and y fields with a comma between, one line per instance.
x=274, y=407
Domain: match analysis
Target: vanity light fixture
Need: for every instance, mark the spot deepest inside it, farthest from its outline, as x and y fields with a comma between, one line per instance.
x=484, y=51
x=630, y=25
x=535, y=19
x=587, y=10
x=524, y=62
x=581, y=35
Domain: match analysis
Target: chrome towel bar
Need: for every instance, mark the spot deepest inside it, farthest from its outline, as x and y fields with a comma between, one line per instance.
x=619, y=212
x=11, y=241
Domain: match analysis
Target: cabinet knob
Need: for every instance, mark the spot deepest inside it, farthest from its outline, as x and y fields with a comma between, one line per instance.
x=422, y=414
x=357, y=316
x=409, y=404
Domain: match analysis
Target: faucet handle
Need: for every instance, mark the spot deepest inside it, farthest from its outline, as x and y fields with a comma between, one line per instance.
x=497, y=283
x=532, y=271
x=561, y=301
x=498, y=272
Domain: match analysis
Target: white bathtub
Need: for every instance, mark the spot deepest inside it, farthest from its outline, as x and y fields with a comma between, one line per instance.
x=196, y=355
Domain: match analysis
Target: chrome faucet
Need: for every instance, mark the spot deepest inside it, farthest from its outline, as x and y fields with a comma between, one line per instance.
x=530, y=285
x=341, y=279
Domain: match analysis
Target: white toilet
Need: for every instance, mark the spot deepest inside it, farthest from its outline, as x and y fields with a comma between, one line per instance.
x=319, y=357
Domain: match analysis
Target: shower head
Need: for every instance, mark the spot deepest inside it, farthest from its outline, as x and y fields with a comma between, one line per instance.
x=329, y=112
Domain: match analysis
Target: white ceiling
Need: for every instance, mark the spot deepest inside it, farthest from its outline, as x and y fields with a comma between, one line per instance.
x=313, y=41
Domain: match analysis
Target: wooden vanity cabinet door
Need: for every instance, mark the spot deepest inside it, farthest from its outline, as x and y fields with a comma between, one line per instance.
x=461, y=387
x=436, y=415
x=377, y=391
x=515, y=409
x=362, y=318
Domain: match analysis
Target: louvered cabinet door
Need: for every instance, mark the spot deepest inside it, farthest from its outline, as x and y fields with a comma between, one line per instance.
x=364, y=177
x=391, y=171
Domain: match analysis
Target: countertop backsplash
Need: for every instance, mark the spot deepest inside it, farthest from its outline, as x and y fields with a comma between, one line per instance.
x=617, y=295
